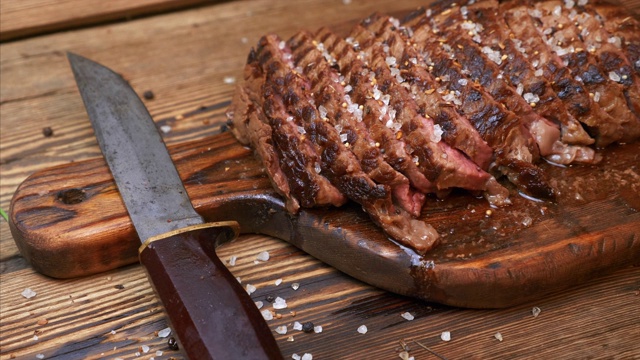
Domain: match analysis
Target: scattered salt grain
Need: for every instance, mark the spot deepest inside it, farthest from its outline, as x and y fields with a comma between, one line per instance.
x=28, y=293
x=164, y=332
x=297, y=326
x=520, y=89
x=229, y=80
x=281, y=329
x=317, y=329
x=145, y=349
x=535, y=311
x=232, y=260
x=404, y=355
x=113, y=332
x=295, y=286
x=35, y=337
x=498, y=336
x=290, y=338
x=346, y=2
x=267, y=314
x=250, y=289
x=437, y=133
x=263, y=256
x=239, y=280
x=259, y=304
x=445, y=336
x=278, y=282
x=362, y=329
x=408, y=316
x=137, y=353
x=306, y=356
x=295, y=357
x=159, y=353
x=279, y=303
x=40, y=356
x=165, y=129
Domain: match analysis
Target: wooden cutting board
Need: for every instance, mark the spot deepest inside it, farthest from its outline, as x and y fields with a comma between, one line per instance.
x=69, y=221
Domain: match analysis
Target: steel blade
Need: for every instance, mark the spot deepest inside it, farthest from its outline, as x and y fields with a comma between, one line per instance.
x=146, y=177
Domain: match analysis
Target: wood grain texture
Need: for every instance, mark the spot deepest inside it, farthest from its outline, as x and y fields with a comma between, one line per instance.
x=19, y=19
x=183, y=58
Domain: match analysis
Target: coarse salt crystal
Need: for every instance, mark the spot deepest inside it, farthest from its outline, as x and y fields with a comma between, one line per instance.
x=229, y=80
x=35, y=337
x=165, y=129
x=267, y=314
x=538, y=73
x=613, y=76
x=498, y=336
x=290, y=338
x=520, y=89
x=113, y=332
x=40, y=356
x=638, y=63
x=281, y=329
x=531, y=97
x=159, y=353
x=445, y=336
x=322, y=111
x=295, y=357
x=232, y=260
x=259, y=304
x=362, y=329
x=596, y=96
x=535, y=311
x=250, y=289
x=164, y=332
x=436, y=136
x=28, y=293
x=239, y=280
x=317, y=329
x=344, y=137
x=137, y=353
x=263, y=256
x=408, y=316
x=279, y=303
x=390, y=60
x=306, y=356
x=297, y=326
x=278, y=282
x=145, y=348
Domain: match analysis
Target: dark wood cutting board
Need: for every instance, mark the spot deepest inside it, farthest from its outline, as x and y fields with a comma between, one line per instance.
x=69, y=221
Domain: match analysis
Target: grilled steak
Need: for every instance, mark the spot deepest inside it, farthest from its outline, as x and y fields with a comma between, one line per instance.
x=454, y=96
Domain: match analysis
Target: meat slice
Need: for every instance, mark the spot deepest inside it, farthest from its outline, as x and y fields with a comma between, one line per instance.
x=330, y=94
x=445, y=166
x=607, y=48
x=619, y=23
x=407, y=65
x=485, y=25
x=288, y=104
x=249, y=125
x=514, y=146
x=577, y=99
x=557, y=30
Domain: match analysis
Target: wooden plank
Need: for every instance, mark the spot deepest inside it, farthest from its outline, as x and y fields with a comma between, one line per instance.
x=19, y=19
x=185, y=63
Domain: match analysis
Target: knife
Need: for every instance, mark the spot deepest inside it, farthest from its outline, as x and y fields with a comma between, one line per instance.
x=212, y=315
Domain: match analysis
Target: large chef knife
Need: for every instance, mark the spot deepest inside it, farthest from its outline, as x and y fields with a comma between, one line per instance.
x=212, y=314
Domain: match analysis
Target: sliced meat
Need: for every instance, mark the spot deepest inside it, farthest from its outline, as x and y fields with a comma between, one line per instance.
x=607, y=48
x=577, y=99
x=618, y=22
x=445, y=166
x=330, y=95
x=407, y=65
x=513, y=144
x=289, y=104
x=482, y=23
x=557, y=30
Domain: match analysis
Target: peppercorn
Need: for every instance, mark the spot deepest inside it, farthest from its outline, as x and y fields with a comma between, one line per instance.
x=307, y=327
x=47, y=131
x=173, y=344
x=149, y=95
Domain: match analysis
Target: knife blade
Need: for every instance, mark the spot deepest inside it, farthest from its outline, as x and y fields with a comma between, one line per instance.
x=212, y=315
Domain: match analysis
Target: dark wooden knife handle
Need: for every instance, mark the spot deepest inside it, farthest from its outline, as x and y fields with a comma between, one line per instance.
x=212, y=314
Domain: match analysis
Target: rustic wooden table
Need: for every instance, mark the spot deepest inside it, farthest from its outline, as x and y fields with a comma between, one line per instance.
x=188, y=53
